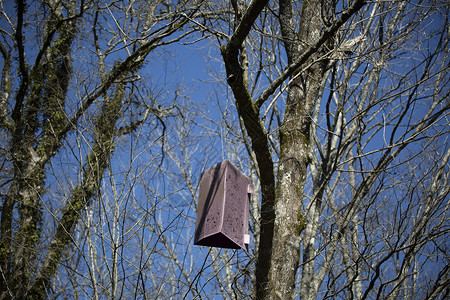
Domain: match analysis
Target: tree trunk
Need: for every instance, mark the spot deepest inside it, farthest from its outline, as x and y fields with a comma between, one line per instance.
x=303, y=91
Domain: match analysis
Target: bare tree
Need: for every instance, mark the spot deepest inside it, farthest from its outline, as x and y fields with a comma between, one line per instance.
x=342, y=122
x=361, y=86
x=70, y=92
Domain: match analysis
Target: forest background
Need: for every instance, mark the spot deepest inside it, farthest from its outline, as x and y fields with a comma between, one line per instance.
x=337, y=110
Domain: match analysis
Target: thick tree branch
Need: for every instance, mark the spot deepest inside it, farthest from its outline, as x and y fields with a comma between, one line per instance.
x=328, y=32
x=246, y=23
x=82, y=195
x=16, y=114
x=256, y=131
x=131, y=62
x=5, y=85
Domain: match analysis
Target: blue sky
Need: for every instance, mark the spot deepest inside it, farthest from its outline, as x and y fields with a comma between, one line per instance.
x=158, y=196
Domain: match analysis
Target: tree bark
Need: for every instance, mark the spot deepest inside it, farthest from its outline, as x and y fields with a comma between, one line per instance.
x=260, y=144
x=294, y=143
x=282, y=220
x=37, y=126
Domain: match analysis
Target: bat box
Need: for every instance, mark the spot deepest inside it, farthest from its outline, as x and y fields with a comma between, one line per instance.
x=223, y=207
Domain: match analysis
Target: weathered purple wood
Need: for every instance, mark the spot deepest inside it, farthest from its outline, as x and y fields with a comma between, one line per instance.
x=223, y=207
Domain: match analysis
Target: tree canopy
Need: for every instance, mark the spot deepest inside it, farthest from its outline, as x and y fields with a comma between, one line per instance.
x=337, y=110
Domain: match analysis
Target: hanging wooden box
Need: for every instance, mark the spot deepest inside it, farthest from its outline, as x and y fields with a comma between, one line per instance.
x=223, y=207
